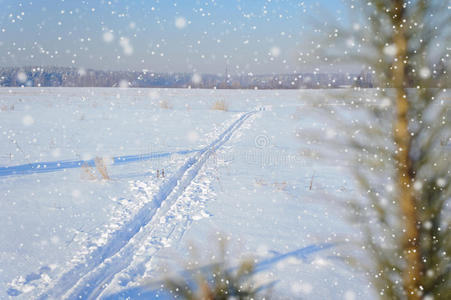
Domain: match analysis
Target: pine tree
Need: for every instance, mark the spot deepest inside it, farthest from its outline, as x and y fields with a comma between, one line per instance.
x=403, y=143
x=403, y=34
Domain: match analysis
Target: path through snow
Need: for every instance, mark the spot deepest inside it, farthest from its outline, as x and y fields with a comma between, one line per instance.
x=89, y=278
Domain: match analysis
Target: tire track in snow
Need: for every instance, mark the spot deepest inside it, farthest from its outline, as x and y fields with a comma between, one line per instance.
x=87, y=279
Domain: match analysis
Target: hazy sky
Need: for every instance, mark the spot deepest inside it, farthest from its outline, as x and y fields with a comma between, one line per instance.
x=248, y=36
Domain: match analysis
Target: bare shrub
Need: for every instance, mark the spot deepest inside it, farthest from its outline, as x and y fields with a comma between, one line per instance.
x=220, y=105
x=87, y=172
x=7, y=108
x=165, y=105
x=101, y=168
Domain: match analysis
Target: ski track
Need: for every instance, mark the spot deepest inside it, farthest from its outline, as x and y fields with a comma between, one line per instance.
x=53, y=166
x=88, y=279
x=166, y=230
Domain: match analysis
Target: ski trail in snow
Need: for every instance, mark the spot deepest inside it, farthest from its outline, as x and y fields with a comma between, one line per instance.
x=87, y=279
x=166, y=230
x=53, y=166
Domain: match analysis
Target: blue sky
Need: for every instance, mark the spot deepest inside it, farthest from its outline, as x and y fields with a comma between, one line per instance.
x=247, y=36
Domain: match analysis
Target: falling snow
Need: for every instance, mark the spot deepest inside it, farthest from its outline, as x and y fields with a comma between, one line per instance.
x=137, y=136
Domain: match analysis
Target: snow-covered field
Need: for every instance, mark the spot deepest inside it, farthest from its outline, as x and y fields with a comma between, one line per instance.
x=236, y=174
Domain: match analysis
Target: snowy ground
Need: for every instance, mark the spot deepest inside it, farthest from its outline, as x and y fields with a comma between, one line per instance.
x=237, y=175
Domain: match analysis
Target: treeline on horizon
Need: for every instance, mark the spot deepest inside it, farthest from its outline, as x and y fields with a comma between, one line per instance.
x=73, y=77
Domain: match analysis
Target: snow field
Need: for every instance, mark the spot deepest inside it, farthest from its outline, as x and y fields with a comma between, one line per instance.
x=233, y=174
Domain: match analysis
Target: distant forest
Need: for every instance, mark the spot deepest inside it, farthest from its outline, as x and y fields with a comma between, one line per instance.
x=73, y=77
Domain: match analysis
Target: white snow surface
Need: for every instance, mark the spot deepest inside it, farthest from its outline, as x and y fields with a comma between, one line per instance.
x=238, y=175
